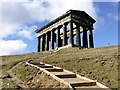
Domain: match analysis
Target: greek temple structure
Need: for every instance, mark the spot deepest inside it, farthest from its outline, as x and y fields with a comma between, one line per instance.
x=74, y=28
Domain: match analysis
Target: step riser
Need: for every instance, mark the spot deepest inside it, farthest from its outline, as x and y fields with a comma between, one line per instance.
x=67, y=76
x=54, y=70
x=83, y=84
x=37, y=64
x=45, y=66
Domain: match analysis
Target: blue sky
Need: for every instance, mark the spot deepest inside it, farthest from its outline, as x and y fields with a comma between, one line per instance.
x=19, y=20
x=106, y=33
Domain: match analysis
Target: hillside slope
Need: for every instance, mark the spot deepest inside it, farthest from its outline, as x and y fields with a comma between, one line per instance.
x=99, y=64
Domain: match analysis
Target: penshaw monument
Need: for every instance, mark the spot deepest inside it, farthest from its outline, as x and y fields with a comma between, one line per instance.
x=74, y=28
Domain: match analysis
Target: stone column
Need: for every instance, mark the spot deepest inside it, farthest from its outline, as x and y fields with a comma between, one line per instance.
x=58, y=37
x=43, y=42
x=52, y=40
x=91, y=43
x=60, y=42
x=78, y=42
x=71, y=33
x=39, y=44
x=46, y=42
x=85, y=40
x=65, y=34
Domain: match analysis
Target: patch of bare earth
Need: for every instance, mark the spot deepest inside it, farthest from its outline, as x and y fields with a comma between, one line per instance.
x=37, y=79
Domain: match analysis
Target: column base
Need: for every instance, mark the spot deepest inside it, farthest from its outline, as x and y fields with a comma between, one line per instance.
x=67, y=46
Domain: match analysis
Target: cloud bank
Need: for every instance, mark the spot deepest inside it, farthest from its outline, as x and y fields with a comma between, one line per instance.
x=19, y=18
x=11, y=46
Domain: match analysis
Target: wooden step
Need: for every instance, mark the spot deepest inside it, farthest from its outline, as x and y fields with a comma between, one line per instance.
x=83, y=84
x=45, y=66
x=89, y=88
x=54, y=69
x=74, y=81
x=36, y=62
x=66, y=75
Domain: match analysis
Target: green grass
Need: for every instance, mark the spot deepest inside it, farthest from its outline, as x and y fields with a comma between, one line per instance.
x=99, y=64
x=9, y=61
x=7, y=66
x=8, y=83
x=21, y=73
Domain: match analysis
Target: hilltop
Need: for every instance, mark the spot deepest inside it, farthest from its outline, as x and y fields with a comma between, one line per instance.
x=99, y=64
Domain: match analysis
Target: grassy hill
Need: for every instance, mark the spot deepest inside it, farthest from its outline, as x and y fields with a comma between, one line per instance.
x=99, y=64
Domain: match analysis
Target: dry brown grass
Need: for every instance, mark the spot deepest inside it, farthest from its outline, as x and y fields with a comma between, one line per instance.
x=99, y=64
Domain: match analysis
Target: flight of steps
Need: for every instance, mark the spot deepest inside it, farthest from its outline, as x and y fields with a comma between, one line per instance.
x=74, y=81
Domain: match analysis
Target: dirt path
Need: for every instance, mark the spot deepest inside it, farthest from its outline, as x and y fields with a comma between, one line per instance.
x=17, y=80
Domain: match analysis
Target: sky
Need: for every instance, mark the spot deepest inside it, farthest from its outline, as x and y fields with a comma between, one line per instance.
x=20, y=18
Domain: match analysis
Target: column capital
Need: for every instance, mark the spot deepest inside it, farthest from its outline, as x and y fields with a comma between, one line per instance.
x=60, y=26
x=78, y=24
x=91, y=28
x=85, y=28
x=66, y=23
x=53, y=29
x=71, y=21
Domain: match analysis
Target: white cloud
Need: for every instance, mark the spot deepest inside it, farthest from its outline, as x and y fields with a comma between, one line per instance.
x=11, y=46
x=14, y=0
x=16, y=13
x=106, y=0
x=50, y=9
x=27, y=32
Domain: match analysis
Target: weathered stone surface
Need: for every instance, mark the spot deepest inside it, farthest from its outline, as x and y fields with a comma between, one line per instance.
x=78, y=42
x=43, y=42
x=39, y=44
x=52, y=40
x=65, y=34
x=71, y=34
x=57, y=32
x=85, y=40
x=58, y=37
x=91, y=39
x=47, y=43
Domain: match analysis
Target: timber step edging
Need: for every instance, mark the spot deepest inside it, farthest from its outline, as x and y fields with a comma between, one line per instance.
x=54, y=69
x=62, y=74
x=45, y=66
x=66, y=75
x=36, y=63
x=83, y=84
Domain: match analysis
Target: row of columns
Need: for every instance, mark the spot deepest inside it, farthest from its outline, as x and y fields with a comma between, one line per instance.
x=51, y=37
